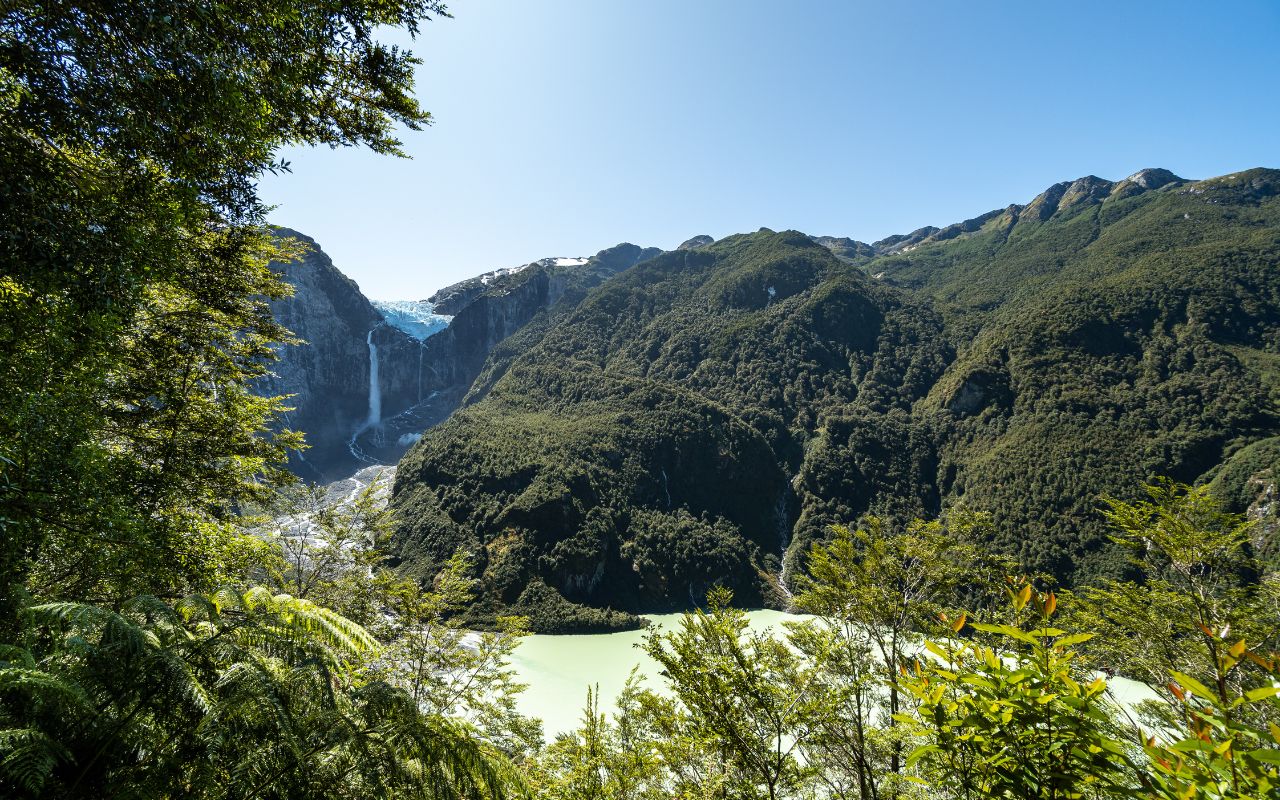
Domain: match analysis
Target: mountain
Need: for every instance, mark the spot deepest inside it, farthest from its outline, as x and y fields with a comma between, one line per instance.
x=703, y=416
x=367, y=379
x=328, y=372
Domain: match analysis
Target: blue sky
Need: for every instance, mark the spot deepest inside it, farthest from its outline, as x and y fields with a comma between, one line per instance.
x=567, y=126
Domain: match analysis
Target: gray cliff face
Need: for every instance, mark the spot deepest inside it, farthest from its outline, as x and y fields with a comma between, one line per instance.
x=328, y=371
x=351, y=422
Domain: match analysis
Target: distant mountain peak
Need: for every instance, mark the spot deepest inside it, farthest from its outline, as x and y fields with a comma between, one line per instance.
x=849, y=250
x=1153, y=178
x=701, y=240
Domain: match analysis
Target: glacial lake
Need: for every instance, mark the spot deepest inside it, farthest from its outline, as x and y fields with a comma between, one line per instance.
x=560, y=669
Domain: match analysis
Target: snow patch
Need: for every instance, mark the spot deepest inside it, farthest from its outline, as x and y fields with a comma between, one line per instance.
x=489, y=277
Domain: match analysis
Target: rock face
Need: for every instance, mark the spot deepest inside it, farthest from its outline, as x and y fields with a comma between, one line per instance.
x=701, y=240
x=328, y=372
x=364, y=390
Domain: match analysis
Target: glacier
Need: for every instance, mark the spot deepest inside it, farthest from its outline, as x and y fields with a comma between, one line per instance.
x=415, y=317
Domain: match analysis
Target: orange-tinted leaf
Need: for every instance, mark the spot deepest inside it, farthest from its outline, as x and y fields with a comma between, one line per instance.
x=1020, y=601
x=1266, y=664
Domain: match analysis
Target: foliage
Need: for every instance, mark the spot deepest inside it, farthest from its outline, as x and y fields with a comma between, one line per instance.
x=1199, y=582
x=1025, y=363
x=134, y=320
x=744, y=696
x=618, y=758
x=1015, y=717
x=226, y=695
x=330, y=552
x=134, y=268
x=873, y=591
x=1225, y=751
x=1021, y=719
x=1011, y=707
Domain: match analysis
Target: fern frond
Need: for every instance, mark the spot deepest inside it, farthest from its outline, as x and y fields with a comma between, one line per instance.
x=28, y=757
x=41, y=685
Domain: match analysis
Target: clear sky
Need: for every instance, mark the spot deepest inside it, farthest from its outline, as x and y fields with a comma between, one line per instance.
x=567, y=126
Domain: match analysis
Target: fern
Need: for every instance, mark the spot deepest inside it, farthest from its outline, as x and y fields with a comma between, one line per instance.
x=227, y=695
x=28, y=757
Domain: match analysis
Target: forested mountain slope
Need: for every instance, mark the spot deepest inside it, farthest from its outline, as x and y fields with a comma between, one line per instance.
x=710, y=409
x=361, y=389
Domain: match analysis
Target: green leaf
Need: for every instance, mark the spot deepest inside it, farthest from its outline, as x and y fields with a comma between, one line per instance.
x=1255, y=695
x=1194, y=686
x=1075, y=638
x=921, y=752
x=1266, y=756
x=1004, y=630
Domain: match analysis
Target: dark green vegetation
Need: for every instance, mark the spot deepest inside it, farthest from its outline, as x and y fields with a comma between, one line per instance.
x=746, y=395
x=889, y=691
x=149, y=645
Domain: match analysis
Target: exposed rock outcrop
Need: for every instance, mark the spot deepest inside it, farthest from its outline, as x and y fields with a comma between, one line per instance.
x=354, y=415
x=328, y=372
x=702, y=240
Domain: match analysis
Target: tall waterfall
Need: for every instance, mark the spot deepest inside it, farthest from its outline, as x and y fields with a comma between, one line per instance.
x=375, y=392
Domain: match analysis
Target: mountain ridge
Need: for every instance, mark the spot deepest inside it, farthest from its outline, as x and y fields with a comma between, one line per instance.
x=1021, y=363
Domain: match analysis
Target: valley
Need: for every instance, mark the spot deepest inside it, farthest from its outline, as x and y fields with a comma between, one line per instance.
x=612, y=436
x=439, y=494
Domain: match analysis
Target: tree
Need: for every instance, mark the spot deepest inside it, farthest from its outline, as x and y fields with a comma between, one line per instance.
x=1200, y=594
x=230, y=695
x=745, y=696
x=1228, y=746
x=873, y=590
x=1016, y=717
x=330, y=548
x=134, y=267
x=617, y=757
x=449, y=670
x=331, y=553
x=1202, y=630
x=851, y=737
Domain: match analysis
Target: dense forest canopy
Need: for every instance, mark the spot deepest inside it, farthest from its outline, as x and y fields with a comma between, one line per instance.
x=750, y=393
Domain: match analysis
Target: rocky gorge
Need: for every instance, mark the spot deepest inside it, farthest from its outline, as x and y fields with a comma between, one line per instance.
x=364, y=383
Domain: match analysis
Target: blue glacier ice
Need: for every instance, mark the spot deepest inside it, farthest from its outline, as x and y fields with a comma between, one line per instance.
x=415, y=317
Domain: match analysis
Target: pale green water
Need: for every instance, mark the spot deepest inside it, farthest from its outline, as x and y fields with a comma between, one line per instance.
x=559, y=669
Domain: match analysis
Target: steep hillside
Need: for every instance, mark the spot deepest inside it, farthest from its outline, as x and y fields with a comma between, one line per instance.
x=643, y=447
x=1110, y=332
x=701, y=414
x=327, y=373
x=364, y=389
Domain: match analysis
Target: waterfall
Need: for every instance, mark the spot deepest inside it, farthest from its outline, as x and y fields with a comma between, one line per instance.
x=784, y=540
x=421, y=347
x=375, y=392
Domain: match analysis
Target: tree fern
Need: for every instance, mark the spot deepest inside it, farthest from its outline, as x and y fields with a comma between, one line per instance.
x=228, y=695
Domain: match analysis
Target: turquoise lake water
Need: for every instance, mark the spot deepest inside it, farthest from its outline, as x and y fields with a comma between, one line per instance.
x=559, y=669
